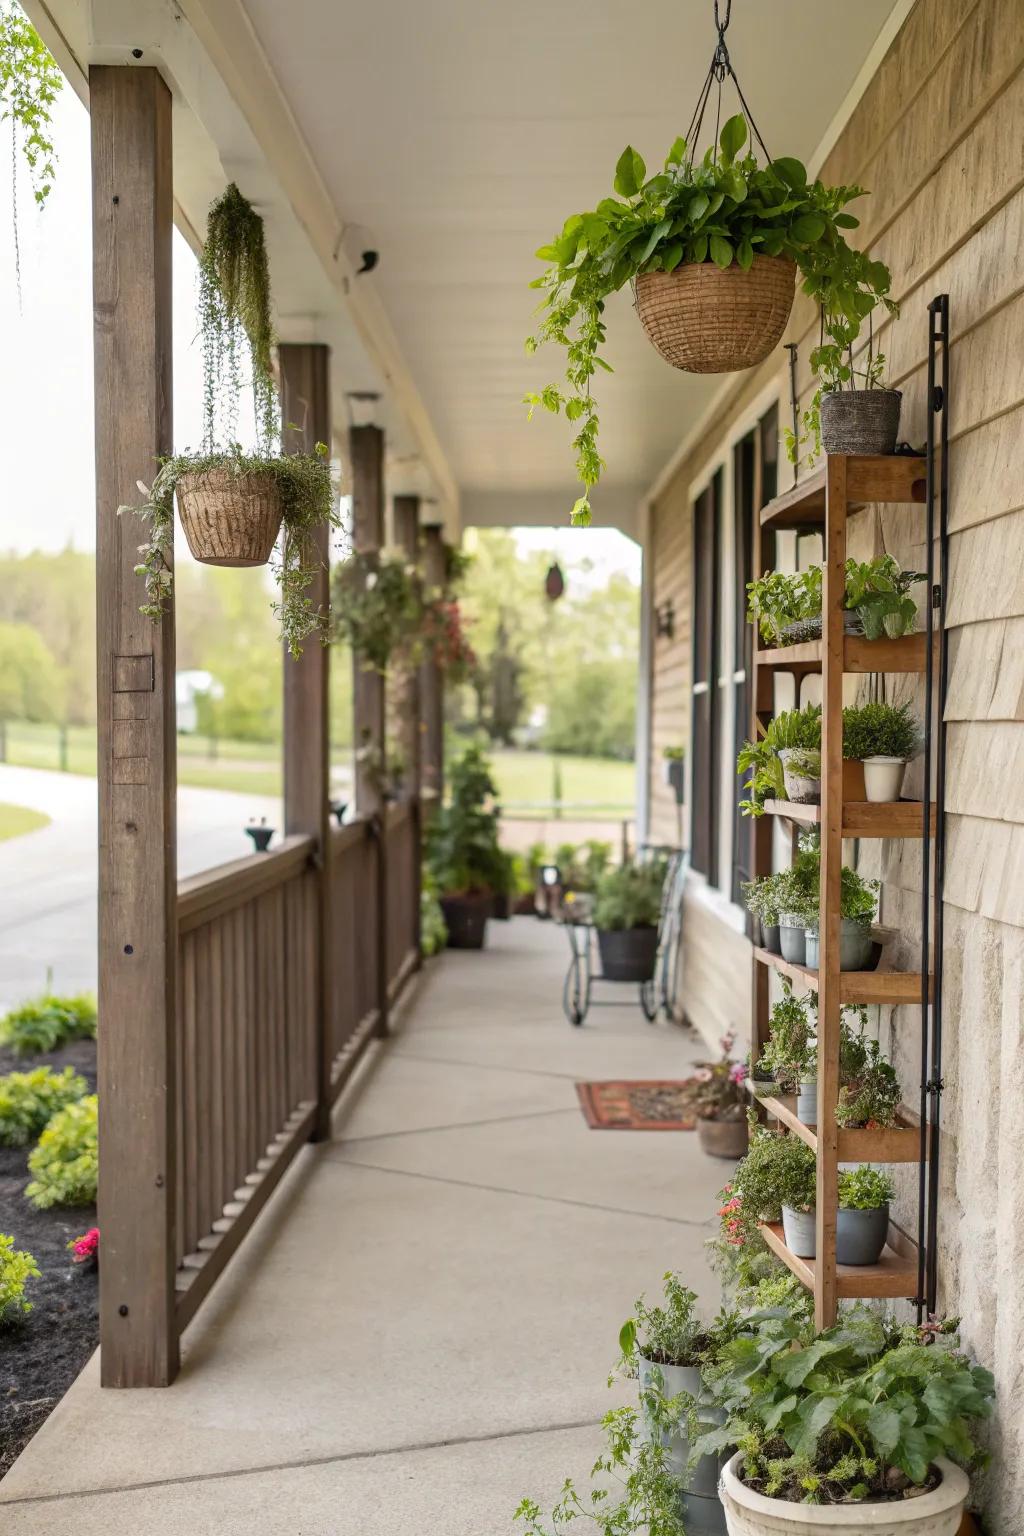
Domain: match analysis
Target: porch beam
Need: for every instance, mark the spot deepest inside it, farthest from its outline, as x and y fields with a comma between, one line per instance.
x=306, y=421
x=432, y=686
x=132, y=220
x=406, y=511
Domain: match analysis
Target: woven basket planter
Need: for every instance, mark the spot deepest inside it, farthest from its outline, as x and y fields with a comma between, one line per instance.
x=860, y=420
x=230, y=519
x=704, y=319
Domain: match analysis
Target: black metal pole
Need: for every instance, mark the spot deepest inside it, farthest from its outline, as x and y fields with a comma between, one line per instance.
x=926, y=840
x=794, y=409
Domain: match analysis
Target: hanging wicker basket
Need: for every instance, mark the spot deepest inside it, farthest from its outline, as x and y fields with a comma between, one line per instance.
x=228, y=518
x=706, y=319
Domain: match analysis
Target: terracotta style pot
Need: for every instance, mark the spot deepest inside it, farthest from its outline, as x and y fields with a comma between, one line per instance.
x=230, y=519
x=724, y=1138
x=853, y=779
x=936, y=1513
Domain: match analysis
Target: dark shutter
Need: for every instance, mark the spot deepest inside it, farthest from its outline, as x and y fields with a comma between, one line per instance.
x=744, y=455
x=704, y=735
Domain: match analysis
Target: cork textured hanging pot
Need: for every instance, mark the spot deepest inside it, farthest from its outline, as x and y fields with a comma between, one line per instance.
x=230, y=519
x=703, y=318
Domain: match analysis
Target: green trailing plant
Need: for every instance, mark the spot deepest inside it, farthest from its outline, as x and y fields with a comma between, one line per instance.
x=234, y=311
x=878, y=589
x=870, y=1096
x=65, y=1163
x=723, y=208
x=29, y=1099
x=762, y=897
x=47, y=1022
x=630, y=896
x=779, y=598
x=880, y=730
x=378, y=608
x=463, y=855
x=433, y=928
x=792, y=728
x=864, y=1189
x=17, y=1268
x=857, y=1413
x=30, y=83
x=788, y=1053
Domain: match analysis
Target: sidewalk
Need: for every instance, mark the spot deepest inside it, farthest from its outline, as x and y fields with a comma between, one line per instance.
x=420, y=1330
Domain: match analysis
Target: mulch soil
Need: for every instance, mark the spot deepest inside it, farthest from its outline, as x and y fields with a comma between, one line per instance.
x=41, y=1356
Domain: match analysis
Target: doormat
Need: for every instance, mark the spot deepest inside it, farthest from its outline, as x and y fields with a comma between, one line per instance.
x=653, y=1106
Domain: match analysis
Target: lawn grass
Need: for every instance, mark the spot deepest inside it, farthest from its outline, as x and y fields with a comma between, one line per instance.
x=593, y=786
x=15, y=820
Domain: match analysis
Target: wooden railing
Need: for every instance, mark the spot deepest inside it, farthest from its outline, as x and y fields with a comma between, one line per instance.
x=248, y=1035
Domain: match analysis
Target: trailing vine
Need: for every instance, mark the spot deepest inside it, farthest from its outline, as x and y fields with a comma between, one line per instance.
x=30, y=83
x=378, y=607
x=234, y=306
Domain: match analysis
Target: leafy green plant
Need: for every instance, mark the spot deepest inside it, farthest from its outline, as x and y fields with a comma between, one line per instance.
x=778, y=1289
x=30, y=83
x=65, y=1163
x=463, y=855
x=724, y=209
x=433, y=928
x=880, y=730
x=29, y=1099
x=870, y=1096
x=805, y=761
x=864, y=1189
x=666, y=1334
x=583, y=868
x=798, y=886
x=858, y=900
x=859, y=1412
x=378, y=607
x=791, y=728
x=674, y=754
x=878, y=590
x=762, y=898
x=630, y=896
x=777, y=1171
x=780, y=598
x=788, y=1053
x=47, y=1022
x=17, y=1268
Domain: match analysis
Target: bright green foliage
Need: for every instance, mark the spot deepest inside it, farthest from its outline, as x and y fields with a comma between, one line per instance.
x=65, y=1164
x=880, y=730
x=788, y=1054
x=234, y=311
x=791, y=728
x=45, y=1023
x=16, y=1269
x=870, y=1096
x=724, y=209
x=878, y=589
x=378, y=608
x=779, y=598
x=29, y=85
x=29, y=1099
x=583, y=868
x=630, y=896
x=864, y=1189
x=861, y=1411
x=433, y=929
x=781, y=1289
x=462, y=849
x=777, y=1171
x=671, y=1334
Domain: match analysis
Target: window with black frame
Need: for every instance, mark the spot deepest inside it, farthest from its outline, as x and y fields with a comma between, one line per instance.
x=704, y=731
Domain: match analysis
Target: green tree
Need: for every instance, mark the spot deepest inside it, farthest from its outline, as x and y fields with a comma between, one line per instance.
x=55, y=595
x=32, y=686
x=592, y=712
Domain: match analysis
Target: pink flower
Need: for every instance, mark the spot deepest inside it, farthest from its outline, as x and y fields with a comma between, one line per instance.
x=727, y=1041
x=85, y=1247
x=738, y=1072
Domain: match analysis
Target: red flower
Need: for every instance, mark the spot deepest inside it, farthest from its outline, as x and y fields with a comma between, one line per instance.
x=86, y=1247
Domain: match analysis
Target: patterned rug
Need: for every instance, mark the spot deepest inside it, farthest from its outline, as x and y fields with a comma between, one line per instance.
x=654, y=1106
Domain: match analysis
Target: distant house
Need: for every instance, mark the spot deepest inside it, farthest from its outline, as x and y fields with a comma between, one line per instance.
x=189, y=688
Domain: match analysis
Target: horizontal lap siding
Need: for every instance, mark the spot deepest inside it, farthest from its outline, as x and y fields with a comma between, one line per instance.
x=937, y=139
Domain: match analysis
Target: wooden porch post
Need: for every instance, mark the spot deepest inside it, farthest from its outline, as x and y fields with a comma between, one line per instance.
x=306, y=421
x=366, y=453
x=132, y=211
x=407, y=537
x=432, y=688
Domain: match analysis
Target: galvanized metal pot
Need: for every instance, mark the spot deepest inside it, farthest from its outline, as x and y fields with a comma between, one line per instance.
x=702, y=1511
x=800, y=1233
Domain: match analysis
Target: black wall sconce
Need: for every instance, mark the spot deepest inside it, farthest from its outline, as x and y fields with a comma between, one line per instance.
x=665, y=619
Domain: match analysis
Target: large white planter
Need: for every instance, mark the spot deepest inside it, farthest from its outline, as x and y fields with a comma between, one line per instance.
x=883, y=777
x=930, y=1514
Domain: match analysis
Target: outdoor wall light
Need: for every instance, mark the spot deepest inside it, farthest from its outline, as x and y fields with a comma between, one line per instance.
x=665, y=619
x=550, y=875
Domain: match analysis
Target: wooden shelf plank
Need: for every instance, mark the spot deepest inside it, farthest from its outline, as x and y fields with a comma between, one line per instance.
x=854, y=986
x=862, y=818
x=895, y=1274
x=899, y=1143
x=860, y=655
x=869, y=478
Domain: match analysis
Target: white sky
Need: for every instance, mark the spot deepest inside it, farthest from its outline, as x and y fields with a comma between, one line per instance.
x=46, y=395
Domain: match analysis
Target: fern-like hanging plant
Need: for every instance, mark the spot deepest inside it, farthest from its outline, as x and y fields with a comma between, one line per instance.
x=234, y=304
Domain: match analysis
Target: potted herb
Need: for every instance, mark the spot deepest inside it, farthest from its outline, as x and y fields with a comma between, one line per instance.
x=797, y=893
x=858, y=903
x=712, y=247
x=801, y=774
x=232, y=502
x=762, y=899
x=788, y=1053
x=665, y=1348
x=786, y=607
x=627, y=910
x=853, y=1055
x=791, y=728
x=720, y=1100
x=884, y=737
x=777, y=1175
x=465, y=862
x=849, y=1430
x=675, y=772
x=879, y=591
x=863, y=1221
x=870, y=1096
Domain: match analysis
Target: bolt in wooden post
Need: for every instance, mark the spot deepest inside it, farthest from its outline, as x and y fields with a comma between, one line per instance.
x=306, y=421
x=366, y=453
x=432, y=688
x=132, y=212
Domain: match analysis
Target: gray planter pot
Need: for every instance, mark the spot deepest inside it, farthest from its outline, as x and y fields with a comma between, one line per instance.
x=770, y=938
x=792, y=942
x=807, y=1103
x=854, y=946
x=860, y=1235
x=800, y=1233
x=860, y=420
x=701, y=1508
x=628, y=954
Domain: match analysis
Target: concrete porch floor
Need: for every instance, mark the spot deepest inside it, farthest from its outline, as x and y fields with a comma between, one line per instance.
x=420, y=1330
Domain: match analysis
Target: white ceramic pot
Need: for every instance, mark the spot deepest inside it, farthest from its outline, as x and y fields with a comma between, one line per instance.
x=883, y=777
x=929, y=1514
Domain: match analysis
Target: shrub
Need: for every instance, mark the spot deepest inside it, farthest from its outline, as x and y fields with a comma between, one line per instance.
x=667, y=1335
x=871, y=1094
x=29, y=1099
x=880, y=730
x=864, y=1189
x=433, y=928
x=462, y=853
x=777, y=1171
x=65, y=1164
x=46, y=1023
x=16, y=1269
x=630, y=897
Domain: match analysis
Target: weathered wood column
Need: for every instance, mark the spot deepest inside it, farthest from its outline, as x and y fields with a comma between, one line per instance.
x=366, y=454
x=306, y=421
x=132, y=211
x=407, y=537
x=432, y=686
